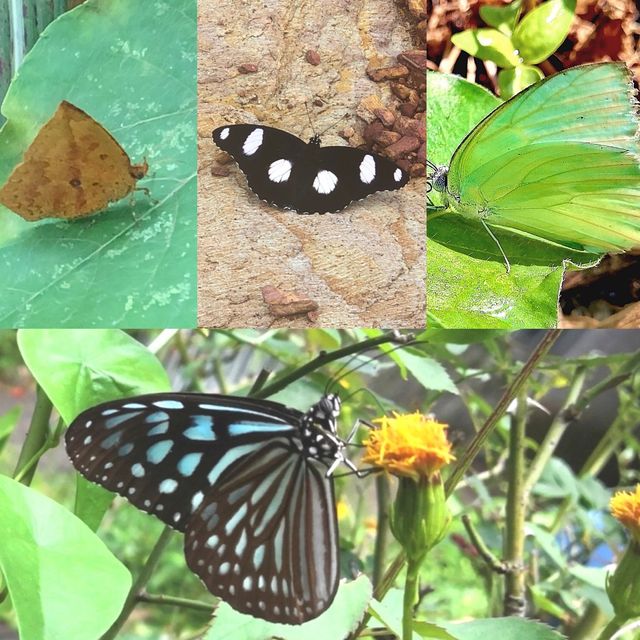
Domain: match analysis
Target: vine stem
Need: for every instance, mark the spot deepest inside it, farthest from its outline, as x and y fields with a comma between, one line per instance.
x=512, y=391
x=325, y=358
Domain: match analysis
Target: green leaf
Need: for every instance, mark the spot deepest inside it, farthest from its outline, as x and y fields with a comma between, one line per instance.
x=63, y=581
x=131, y=66
x=543, y=30
x=512, y=81
x=390, y=617
x=467, y=283
x=79, y=368
x=557, y=481
x=459, y=336
x=503, y=628
x=427, y=371
x=549, y=544
x=340, y=619
x=488, y=44
x=502, y=18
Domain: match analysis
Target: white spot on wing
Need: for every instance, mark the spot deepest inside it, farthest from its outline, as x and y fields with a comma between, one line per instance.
x=196, y=500
x=325, y=182
x=368, y=169
x=280, y=170
x=224, y=134
x=253, y=142
x=397, y=175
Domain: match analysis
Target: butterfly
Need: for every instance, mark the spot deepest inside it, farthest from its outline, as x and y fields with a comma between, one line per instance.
x=289, y=173
x=558, y=162
x=73, y=168
x=248, y=481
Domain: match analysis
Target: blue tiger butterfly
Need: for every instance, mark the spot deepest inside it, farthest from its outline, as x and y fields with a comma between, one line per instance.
x=248, y=481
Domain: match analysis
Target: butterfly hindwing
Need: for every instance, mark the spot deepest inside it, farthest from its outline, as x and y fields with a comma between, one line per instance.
x=270, y=536
x=289, y=173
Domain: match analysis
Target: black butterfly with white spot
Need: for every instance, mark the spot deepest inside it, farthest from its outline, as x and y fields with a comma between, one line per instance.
x=248, y=481
x=289, y=173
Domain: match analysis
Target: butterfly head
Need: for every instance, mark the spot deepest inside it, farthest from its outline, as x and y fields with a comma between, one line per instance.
x=326, y=411
x=439, y=178
x=315, y=140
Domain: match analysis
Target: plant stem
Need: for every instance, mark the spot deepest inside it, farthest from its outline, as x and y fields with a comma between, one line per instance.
x=556, y=430
x=325, y=358
x=139, y=584
x=609, y=630
x=512, y=391
x=382, y=530
x=36, y=436
x=183, y=603
x=514, y=596
x=410, y=591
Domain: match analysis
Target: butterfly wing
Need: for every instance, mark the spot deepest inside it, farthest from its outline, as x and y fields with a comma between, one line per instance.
x=581, y=195
x=590, y=103
x=291, y=174
x=257, y=149
x=558, y=161
x=162, y=451
x=333, y=177
x=265, y=538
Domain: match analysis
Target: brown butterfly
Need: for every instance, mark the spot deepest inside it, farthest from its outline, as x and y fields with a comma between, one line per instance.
x=73, y=168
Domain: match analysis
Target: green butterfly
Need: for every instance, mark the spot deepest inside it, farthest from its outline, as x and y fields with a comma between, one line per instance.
x=558, y=162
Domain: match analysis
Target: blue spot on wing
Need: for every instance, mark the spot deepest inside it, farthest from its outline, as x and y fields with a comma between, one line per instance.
x=120, y=418
x=157, y=452
x=245, y=428
x=156, y=416
x=201, y=429
x=112, y=440
x=188, y=463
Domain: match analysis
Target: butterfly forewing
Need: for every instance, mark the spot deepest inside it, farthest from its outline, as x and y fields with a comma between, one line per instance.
x=270, y=536
x=292, y=174
x=160, y=452
x=245, y=479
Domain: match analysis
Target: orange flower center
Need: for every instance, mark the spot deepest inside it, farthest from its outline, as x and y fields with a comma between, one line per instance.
x=410, y=445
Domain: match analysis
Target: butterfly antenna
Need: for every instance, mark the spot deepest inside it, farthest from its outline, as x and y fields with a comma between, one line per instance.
x=507, y=264
x=333, y=124
x=306, y=108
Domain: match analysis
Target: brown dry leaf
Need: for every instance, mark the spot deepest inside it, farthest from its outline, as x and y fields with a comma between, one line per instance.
x=73, y=168
x=283, y=304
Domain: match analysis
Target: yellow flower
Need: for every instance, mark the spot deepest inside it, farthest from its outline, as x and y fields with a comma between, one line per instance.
x=342, y=509
x=625, y=507
x=410, y=445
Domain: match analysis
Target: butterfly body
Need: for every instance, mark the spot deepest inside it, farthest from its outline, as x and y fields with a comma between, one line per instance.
x=246, y=480
x=289, y=173
x=558, y=161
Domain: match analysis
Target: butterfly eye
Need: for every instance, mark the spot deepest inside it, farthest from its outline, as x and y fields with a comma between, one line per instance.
x=247, y=481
